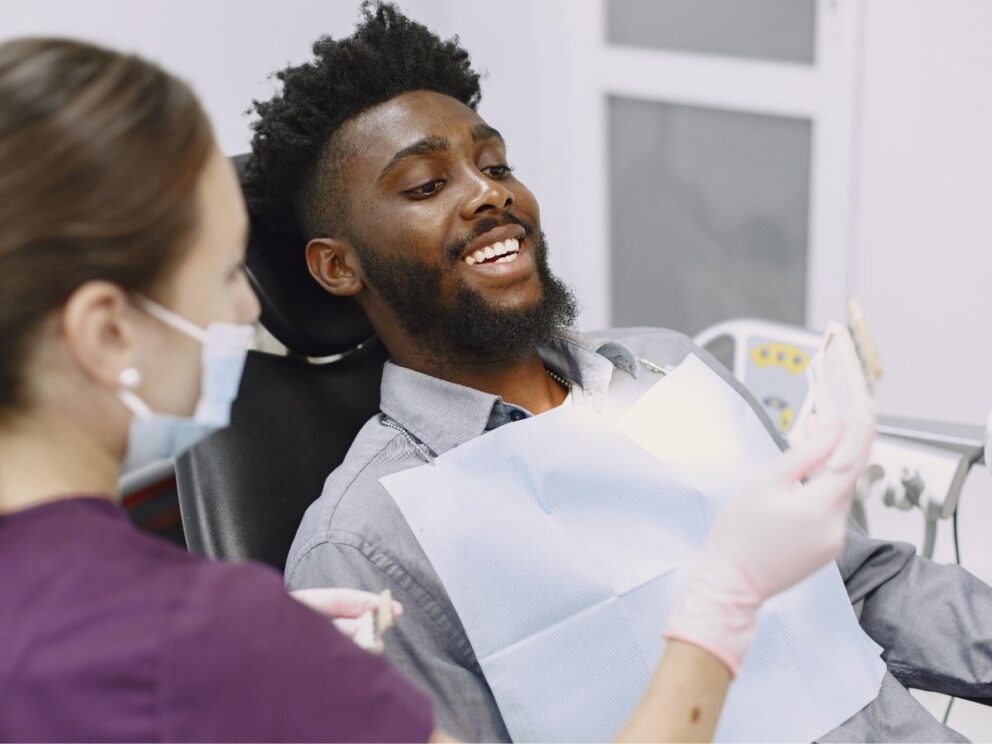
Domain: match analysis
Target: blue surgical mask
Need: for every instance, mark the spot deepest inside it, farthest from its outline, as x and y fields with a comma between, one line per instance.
x=156, y=436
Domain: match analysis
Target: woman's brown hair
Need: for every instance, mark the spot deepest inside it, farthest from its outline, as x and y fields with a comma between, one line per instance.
x=100, y=154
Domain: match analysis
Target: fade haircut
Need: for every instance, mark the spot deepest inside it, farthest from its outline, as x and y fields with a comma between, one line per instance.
x=291, y=183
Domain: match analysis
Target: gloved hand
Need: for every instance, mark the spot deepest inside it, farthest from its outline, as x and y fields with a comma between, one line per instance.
x=345, y=607
x=770, y=536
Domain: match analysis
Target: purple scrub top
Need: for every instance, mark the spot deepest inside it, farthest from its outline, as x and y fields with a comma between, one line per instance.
x=110, y=634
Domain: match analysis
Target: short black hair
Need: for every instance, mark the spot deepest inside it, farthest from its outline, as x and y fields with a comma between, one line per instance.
x=387, y=55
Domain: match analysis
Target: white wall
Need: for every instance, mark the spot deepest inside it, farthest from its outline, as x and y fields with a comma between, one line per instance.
x=924, y=223
x=923, y=234
x=225, y=48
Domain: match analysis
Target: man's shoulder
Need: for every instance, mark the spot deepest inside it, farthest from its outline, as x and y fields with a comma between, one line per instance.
x=665, y=347
x=661, y=346
x=353, y=507
x=643, y=337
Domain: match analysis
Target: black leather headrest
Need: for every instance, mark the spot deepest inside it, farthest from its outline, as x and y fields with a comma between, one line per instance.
x=295, y=309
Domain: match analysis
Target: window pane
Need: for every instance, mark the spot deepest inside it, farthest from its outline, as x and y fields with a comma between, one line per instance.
x=782, y=30
x=709, y=214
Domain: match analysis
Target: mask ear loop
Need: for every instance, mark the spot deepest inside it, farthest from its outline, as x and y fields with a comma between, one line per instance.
x=129, y=379
x=218, y=335
x=174, y=320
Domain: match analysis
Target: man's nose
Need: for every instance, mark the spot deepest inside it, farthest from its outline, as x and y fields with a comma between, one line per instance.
x=488, y=195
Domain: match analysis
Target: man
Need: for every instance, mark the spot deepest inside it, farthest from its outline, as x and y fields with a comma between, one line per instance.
x=406, y=203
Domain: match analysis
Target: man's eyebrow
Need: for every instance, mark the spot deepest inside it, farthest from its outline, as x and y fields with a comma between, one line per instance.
x=483, y=132
x=425, y=146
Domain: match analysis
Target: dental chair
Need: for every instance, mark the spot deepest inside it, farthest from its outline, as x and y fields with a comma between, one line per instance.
x=243, y=491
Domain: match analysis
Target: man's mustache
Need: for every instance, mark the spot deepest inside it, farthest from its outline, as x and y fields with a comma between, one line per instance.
x=455, y=250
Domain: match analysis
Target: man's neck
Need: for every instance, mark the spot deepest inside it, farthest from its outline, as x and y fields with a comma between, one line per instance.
x=524, y=382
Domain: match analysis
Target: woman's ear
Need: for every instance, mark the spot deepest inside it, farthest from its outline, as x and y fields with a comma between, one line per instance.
x=97, y=322
x=334, y=264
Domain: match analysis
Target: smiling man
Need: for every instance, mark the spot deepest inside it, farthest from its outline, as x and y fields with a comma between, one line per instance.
x=406, y=203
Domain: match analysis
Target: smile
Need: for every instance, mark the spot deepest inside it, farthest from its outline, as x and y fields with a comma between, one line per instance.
x=502, y=252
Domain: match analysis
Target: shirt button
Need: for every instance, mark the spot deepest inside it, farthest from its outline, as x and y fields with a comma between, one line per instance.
x=517, y=415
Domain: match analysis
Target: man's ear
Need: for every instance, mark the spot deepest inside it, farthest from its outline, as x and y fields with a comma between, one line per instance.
x=99, y=332
x=334, y=264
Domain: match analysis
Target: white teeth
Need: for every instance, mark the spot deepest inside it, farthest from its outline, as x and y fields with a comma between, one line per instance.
x=503, y=251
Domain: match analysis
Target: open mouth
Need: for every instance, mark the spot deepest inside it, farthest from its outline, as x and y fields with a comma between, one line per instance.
x=502, y=252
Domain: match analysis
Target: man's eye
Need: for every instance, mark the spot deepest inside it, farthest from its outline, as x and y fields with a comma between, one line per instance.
x=425, y=189
x=498, y=171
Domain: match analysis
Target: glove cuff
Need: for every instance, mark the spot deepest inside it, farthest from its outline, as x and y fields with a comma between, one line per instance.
x=717, y=611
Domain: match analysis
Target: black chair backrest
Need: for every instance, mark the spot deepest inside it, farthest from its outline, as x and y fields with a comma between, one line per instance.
x=243, y=491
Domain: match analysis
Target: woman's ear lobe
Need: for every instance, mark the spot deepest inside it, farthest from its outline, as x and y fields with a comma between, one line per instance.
x=334, y=265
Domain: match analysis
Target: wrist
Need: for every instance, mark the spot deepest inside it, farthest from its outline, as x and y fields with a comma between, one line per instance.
x=717, y=611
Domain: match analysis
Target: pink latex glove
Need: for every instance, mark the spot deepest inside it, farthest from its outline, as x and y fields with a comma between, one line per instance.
x=772, y=535
x=344, y=607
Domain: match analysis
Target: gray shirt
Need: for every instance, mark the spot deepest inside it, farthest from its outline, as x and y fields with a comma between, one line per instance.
x=933, y=621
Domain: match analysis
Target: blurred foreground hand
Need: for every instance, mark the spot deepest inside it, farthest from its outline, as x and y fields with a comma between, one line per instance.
x=352, y=611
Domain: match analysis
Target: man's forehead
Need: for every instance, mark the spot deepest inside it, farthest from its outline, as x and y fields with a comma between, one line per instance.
x=389, y=127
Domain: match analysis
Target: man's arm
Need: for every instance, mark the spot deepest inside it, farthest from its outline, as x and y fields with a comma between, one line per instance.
x=427, y=644
x=933, y=621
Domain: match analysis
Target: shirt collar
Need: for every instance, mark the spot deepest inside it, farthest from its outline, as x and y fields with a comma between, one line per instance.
x=444, y=415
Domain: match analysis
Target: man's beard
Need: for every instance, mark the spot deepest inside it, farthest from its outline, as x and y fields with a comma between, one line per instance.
x=469, y=329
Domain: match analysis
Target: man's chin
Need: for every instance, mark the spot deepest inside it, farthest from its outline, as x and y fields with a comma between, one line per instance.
x=482, y=329
x=518, y=301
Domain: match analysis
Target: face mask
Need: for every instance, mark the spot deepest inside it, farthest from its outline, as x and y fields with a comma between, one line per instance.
x=156, y=436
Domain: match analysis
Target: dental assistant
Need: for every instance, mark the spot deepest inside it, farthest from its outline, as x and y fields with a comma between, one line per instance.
x=125, y=317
